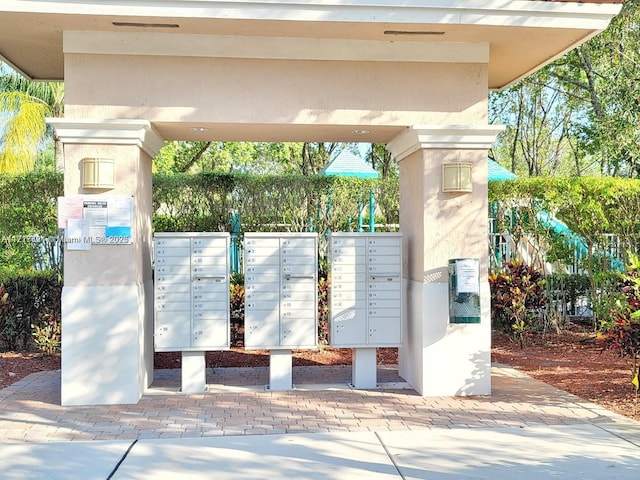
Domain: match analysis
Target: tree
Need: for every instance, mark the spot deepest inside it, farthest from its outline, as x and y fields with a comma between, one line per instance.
x=579, y=115
x=388, y=189
x=245, y=157
x=603, y=75
x=539, y=118
x=24, y=106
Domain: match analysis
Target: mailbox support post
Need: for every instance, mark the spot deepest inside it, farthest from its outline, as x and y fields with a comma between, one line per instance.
x=194, y=375
x=364, y=368
x=280, y=370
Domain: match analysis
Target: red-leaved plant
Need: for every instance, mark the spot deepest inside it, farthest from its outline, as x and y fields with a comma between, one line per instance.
x=621, y=332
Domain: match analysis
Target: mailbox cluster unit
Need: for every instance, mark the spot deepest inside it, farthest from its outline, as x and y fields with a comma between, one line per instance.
x=281, y=278
x=366, y=290
x=191, y=290
x=281, y=298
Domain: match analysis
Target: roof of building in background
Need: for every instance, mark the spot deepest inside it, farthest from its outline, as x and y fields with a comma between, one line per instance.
x=498, y=173
x=347, y=164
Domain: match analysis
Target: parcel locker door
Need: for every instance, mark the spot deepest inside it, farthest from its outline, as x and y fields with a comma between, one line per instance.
x=261, y=328
x=172, y=330
x=299, y=331
x=210, y=334
x=385, y=331
x=348, y=327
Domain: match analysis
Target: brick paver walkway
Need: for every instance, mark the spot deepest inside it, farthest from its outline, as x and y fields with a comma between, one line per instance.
x=238, y=404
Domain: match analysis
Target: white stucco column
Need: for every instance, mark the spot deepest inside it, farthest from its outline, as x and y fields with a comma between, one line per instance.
x=439, y=358
x=107, y=299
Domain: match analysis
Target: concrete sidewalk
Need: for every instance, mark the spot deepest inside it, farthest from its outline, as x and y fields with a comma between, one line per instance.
x=525, y=430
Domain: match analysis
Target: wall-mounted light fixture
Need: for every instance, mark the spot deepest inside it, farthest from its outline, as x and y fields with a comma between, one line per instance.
x=456, y=177
x=98, y=173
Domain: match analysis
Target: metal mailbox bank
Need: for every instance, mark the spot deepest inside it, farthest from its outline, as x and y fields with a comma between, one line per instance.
x=366, y=298
x=191, y=293
x=281, y=308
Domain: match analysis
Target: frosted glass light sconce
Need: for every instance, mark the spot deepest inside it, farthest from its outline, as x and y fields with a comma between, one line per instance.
x=98, y=173
x=456, y=178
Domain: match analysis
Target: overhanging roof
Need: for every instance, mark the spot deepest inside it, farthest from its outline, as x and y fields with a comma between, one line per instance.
x=522, y=35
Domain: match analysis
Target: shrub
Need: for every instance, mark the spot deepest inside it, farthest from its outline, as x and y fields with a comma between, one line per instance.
x=47, y=335
x=31, y=300
x=323, y=309
x=516, y=293
x=621, y=332
x=236, y=310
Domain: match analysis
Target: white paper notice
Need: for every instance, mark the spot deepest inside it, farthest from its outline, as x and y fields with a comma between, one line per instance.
x=95, y=213
x=468, y=276
x=120, y=211
x=77, y=236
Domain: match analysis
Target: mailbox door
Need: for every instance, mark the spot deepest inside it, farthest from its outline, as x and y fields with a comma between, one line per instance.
x=298, y=295
x=172, y=294
x=262, y=292
x=210, y=291
x=384, y=290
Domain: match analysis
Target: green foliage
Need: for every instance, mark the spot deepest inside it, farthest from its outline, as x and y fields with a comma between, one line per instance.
x=23, y=131
x=589, y=206
x=569, y=288
x=516, y=294
x=236, y=311
x=7, y=327
x=621, y=332
x=28, y=221
x=295, y=203
x=579, y=115
x=605, y=297
x=24, y=106
x=323, y=307
x=48, y=335
x=256, y=158
x=538, y=115
x=30, y=301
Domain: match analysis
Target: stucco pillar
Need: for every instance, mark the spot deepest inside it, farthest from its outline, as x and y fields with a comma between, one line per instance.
x=439, y=358
x=107, y=299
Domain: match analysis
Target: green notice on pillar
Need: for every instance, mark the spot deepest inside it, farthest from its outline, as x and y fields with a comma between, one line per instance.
x=464, y=290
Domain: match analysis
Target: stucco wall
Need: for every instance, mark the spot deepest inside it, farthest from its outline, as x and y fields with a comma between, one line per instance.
x=112, y=264
x=233, y=91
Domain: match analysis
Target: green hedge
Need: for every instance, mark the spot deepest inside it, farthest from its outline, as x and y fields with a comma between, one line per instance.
x=28, y=221
x=204, y=202
x=589, y=206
